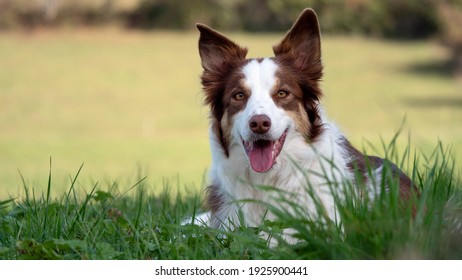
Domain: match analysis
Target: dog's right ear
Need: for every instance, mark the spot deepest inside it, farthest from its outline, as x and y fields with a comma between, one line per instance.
x=216, y=50
x=302, y=44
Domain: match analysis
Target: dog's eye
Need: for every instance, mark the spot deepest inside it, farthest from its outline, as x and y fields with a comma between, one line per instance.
x=239, y=96
x=282, y=94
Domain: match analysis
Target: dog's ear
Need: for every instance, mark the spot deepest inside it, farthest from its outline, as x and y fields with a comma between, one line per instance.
x=302, y=44
x=301, y=49
x=216, y=50
x=219, y=55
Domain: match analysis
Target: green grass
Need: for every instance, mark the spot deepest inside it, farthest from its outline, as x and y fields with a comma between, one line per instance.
x=123, y=101
x=108, y=224
x=128, y=106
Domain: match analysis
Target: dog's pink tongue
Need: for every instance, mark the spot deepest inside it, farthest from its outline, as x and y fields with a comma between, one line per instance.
x=261, y=156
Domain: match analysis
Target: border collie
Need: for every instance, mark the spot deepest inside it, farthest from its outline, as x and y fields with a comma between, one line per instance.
x=268, y=128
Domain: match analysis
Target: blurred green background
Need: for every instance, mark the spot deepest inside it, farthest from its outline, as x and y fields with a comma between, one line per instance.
x=114, y=84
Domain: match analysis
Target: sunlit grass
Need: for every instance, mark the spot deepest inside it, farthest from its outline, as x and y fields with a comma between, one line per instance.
x=108, y=223
x=122, y=102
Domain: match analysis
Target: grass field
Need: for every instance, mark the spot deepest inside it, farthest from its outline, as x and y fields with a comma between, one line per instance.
x=116, y=225
x=128, y=106
x=125, y=103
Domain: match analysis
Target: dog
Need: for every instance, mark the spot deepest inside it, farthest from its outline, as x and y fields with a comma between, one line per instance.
x=268, y=128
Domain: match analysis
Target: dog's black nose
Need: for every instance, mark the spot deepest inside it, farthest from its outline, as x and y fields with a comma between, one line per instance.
x=260, y=124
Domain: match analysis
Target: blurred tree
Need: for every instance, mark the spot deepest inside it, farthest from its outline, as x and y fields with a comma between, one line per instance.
x=33, y=13
x=177, y=14
x=412, y=18
x=390, y=18
x=51, y=9
x=451, y=30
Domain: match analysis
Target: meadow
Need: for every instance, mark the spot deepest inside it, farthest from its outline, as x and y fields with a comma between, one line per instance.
x=128, y=104
x=113, y=225
x=120, y=116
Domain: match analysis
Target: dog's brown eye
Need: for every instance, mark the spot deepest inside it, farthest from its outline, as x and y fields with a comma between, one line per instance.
x=282, y=94
x=239, y=96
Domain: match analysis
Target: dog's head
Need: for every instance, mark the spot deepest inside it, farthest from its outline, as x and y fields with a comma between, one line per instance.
x=262, y=103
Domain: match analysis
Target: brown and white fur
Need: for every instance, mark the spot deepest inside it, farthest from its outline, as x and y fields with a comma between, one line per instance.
x=268, y=128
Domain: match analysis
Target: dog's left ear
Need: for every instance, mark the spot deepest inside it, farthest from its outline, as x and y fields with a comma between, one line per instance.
x=302, y=44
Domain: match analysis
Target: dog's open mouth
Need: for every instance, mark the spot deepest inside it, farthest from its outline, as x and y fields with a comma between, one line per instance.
x=262, y=153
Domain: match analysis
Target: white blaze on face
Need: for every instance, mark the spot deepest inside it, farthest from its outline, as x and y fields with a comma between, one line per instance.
x=261, y=82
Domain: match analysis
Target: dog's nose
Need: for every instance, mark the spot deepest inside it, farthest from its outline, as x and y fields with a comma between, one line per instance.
x=260, y=124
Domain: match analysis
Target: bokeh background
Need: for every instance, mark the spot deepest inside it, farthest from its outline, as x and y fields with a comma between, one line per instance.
x=114, y=84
